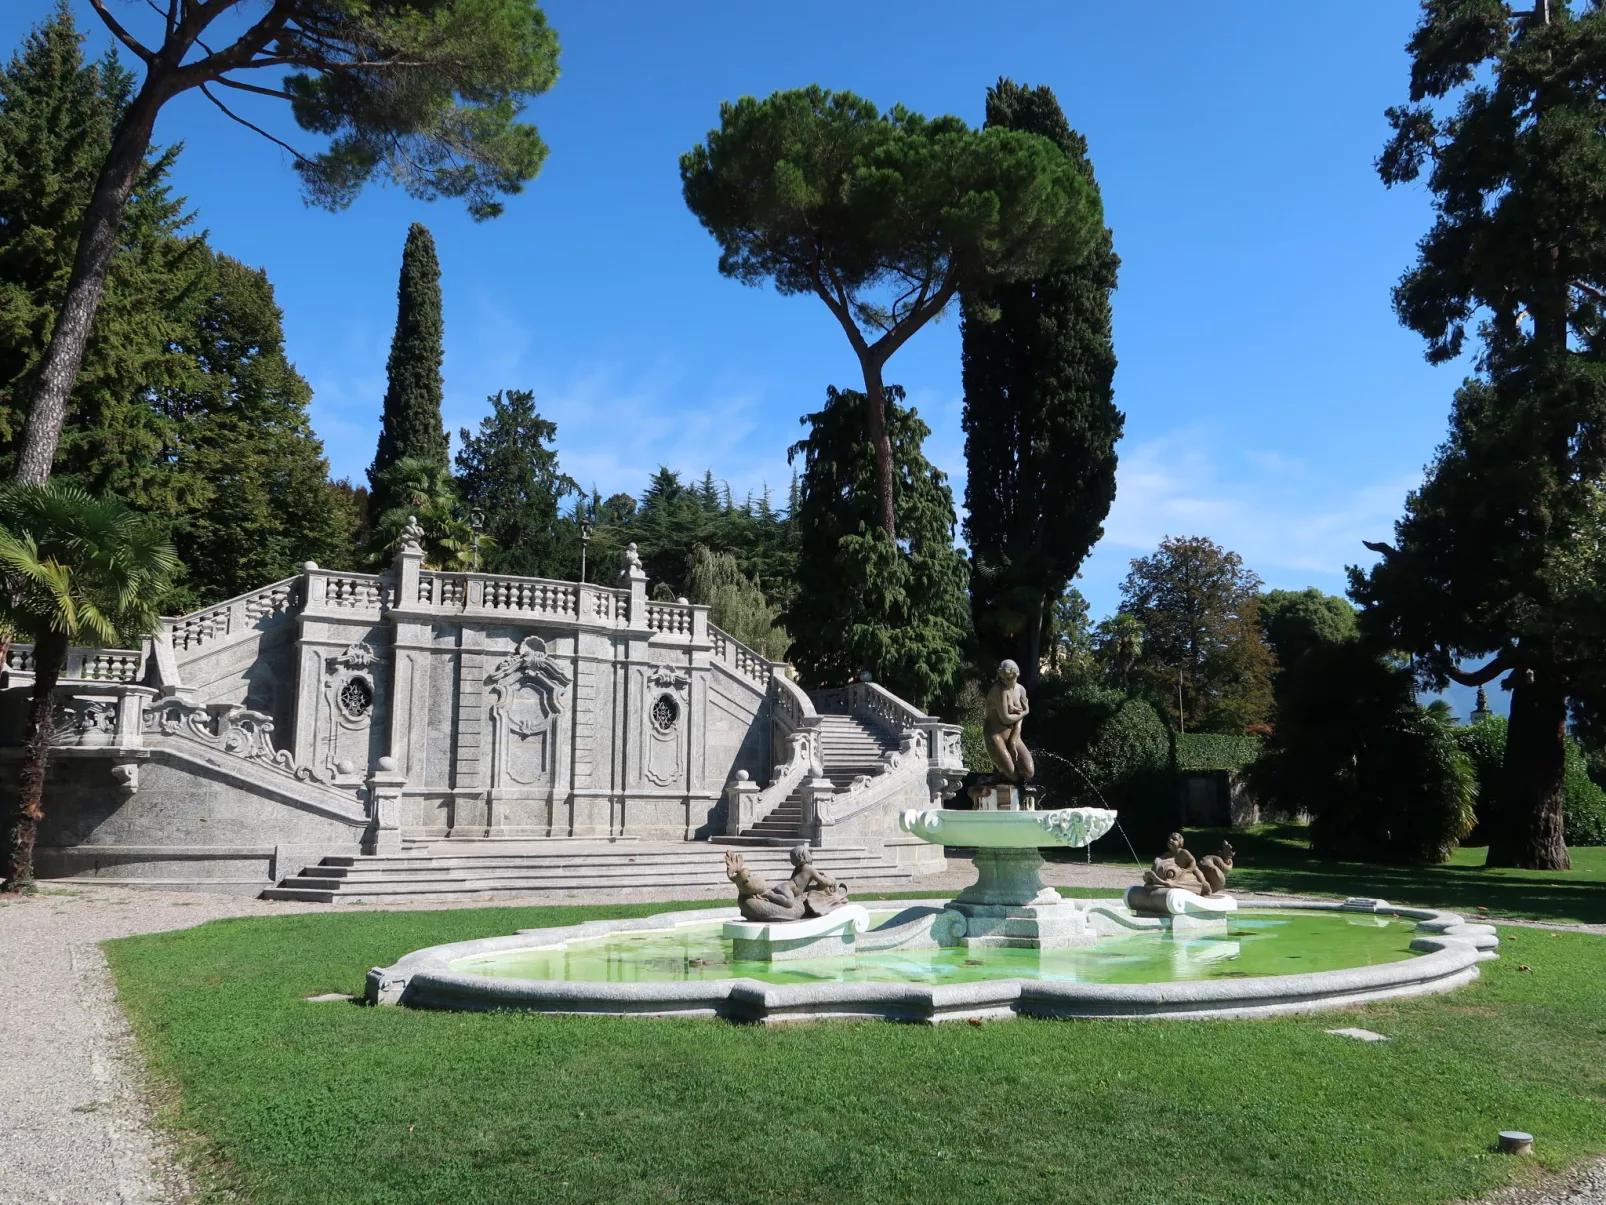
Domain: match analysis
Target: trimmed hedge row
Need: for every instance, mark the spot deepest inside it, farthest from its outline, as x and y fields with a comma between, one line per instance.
x=1200, y=751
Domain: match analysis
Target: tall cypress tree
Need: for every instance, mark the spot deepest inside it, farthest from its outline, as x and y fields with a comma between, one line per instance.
x=411, y=423
x=1040, y=421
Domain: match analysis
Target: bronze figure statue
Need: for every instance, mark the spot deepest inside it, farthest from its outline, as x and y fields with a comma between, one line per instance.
x=1006, y=709
x=1179, y=869
x=809, y=892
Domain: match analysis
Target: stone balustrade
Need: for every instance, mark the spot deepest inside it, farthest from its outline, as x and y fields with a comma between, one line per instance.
x=82, y=665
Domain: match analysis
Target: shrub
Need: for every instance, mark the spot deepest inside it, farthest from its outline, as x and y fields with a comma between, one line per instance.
x=1583, y=803
x=1200, y=751
x=1382, y=779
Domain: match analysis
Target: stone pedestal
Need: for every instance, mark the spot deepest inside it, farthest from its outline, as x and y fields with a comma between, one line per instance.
x=1050, y=926
x=1008, y=905
x=1008, y=877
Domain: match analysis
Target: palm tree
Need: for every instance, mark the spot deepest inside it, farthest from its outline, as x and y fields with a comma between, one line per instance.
x=73, y=568
x=427, y=491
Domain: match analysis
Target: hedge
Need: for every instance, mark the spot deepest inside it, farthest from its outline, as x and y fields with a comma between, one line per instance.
x=1201, y=751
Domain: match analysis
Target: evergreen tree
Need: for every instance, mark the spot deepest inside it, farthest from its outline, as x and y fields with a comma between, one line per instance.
x=864, y=602
x=1040, y=420
x=510, y=473
x=410, y=424
x=735, y=602
x=186, y=408
x=428, y=93
x=57, y=114
x=1199, y=609
x=1502, y=551
x=238, y=473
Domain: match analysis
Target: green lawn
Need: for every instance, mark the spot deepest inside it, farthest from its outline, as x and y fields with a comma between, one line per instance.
x=1276, y=858
x=292, y=1102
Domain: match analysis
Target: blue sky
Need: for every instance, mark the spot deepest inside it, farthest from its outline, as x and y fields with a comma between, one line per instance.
x=1272, y=401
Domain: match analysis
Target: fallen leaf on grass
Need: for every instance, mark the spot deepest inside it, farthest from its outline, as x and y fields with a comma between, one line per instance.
x=1525, y=968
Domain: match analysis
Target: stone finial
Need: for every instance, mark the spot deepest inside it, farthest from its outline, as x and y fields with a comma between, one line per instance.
x=630, y=570
x=412, y=537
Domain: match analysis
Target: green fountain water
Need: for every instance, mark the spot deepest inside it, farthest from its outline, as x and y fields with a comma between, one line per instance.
x=1265, y=943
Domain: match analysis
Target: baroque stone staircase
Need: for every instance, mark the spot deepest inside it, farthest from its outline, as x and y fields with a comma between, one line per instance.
x=849, y=747
x=468, y=868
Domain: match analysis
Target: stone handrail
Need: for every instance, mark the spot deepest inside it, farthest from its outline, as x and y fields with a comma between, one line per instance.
x=793, y=707
x=234, y=616
x=904, y=770
x=942, y=742
x=340, y=591
x=746, y=663
x=670, y=619
x=747, y=807
x=83, y=664
x=459, y=593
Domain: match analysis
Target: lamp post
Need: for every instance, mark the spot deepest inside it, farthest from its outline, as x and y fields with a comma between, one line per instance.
x=476, y=524
x=585, y=542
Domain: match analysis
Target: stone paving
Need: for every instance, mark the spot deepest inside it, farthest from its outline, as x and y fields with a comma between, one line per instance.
x=74, y=1126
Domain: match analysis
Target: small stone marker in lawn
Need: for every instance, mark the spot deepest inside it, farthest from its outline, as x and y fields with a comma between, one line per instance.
x=1515, y=1142
x=1360, y=1035
x=328, y=998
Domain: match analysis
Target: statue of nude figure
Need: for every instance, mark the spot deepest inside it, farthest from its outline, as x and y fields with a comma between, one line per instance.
x=1006, y=708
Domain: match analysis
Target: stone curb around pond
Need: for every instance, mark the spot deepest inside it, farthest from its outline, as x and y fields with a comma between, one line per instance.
x=1450, y=949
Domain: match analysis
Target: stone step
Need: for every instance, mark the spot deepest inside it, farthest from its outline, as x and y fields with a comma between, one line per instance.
x=326, y=891
x=486, y=870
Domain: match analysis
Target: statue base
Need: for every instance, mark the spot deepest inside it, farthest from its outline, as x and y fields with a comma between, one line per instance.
x=1009, y=877
x=830, y=936
x=1182, y=911
x=1050, y=926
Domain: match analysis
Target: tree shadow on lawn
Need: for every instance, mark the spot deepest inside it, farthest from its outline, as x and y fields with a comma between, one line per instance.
x=1276, y=858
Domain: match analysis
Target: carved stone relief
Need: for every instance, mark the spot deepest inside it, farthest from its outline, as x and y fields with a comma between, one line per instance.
x=525, y=702
x=348, y=707
x=667, y=688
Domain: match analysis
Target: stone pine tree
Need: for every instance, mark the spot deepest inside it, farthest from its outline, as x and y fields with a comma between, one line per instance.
x=861, y=602
x=425, y=93
x=883, y=217
x=1040, y=419
x=410, y=424
x=1501, y=554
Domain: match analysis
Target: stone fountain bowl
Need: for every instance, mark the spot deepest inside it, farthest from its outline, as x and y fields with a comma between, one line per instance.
x=1075, y=827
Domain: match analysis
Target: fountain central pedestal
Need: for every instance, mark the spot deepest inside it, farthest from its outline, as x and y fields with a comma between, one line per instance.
x=1008, y=904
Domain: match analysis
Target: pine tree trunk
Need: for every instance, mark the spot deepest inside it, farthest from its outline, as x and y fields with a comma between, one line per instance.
x=1528, y=831
x=97, y=244
x=49, y=654
x=875, y=397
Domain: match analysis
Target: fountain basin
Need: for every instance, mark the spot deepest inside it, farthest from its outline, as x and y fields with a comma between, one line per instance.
x=1074, y=827
x=576, y=970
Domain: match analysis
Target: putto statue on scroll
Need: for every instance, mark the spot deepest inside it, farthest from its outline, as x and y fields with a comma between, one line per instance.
x=809, y=892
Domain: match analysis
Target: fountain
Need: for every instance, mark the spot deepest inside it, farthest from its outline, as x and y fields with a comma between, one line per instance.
x=1175, y=945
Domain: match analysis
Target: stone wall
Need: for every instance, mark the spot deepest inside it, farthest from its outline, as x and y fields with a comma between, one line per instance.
x=252, y=733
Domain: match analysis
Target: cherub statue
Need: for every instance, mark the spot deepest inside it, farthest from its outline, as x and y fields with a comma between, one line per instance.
x=631, y=566
x=1180, y=869
x=1006, y=709
x=819, y=892
x=412, y=535
x=756, y=898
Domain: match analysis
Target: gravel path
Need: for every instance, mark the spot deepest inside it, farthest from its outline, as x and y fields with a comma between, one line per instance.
x=74, y=1127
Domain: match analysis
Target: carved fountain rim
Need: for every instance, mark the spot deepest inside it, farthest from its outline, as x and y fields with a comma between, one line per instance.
x=1450, y=949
